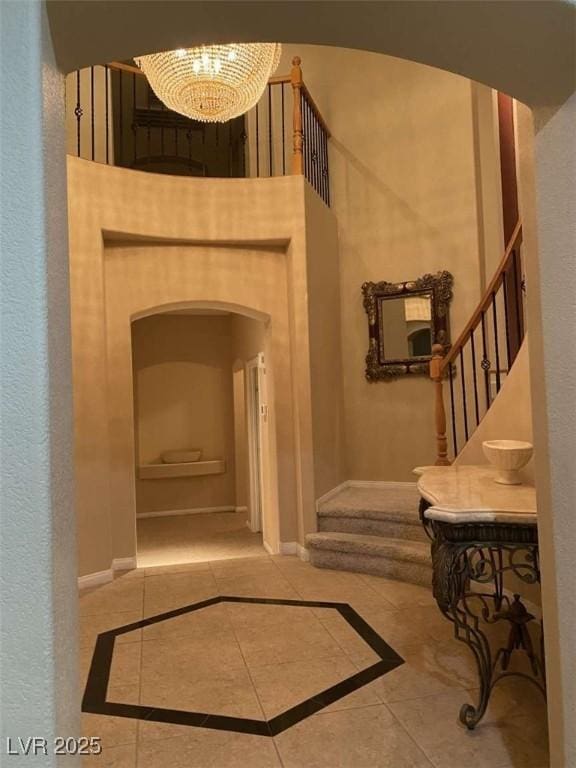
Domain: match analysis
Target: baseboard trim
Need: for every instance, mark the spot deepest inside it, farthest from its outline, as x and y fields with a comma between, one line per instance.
x=191, y=511
x=240, y=509
x=294, y=548
x=95, y=579
x=124, y=564
x=380, y=484
x=333, y=492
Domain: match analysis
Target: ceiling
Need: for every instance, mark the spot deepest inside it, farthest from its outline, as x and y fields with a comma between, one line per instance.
x=525, y=49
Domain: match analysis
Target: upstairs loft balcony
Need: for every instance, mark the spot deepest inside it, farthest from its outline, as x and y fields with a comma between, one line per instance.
x=113, y=116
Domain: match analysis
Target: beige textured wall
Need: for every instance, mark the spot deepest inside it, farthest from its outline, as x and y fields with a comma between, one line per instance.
x=324, y=309
x=182, y=368
x=238, y=245
x=403, y=176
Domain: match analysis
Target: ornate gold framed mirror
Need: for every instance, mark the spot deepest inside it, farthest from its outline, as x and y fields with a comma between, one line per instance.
x=404, y=321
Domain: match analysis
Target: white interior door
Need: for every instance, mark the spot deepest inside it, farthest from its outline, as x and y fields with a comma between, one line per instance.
x=257, y=417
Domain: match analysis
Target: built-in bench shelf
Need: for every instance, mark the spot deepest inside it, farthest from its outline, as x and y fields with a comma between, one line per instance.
x=187, y=469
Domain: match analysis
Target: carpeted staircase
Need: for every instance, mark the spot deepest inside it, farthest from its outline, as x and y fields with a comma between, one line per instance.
x=373, y=530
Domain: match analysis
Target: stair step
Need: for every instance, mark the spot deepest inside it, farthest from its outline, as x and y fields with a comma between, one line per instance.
x=399, y=504
x=404, y=560
x=386, y=512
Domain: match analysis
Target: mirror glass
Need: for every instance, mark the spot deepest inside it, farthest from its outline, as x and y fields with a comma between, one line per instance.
x=405, y=326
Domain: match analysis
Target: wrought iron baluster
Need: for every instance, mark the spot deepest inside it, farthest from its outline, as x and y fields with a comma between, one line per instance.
x=485, y=363
x=326, y=169
x=106, y=112
x=518, y=294
x=92, y=131
x=463, y=386
x=452, y=408
x=475, y=377
x=319, y=161
x=496, y=345
x=121, y=116
x=162, y=146
x=148, y=130
x=283, y=131
x=315, y=163
x=270, y=165
x=134, y=124
x=243, y=137
x=257, y=143
x=310, y=144
x=322, y=174
x=507, y=319
x=230, y=148
x=78, y=113
x=306, y=138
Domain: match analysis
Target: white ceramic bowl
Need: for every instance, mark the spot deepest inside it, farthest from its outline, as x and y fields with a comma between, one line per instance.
x=508, y=456
x=181, y=457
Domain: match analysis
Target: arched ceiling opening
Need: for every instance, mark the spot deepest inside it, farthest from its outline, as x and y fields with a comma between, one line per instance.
x=523, y=48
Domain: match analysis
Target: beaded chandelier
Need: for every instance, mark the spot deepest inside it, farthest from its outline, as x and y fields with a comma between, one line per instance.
x=211, y=83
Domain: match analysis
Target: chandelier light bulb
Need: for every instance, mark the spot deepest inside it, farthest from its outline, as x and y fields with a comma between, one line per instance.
x=211, y=83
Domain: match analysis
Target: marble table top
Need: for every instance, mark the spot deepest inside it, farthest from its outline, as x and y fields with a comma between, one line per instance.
x=469, y=494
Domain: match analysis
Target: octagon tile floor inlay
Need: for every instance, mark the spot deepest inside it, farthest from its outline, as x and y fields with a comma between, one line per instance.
x=187, y=681
x=248, y=663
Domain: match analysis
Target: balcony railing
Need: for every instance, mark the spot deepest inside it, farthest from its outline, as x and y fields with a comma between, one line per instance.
x=114, y=117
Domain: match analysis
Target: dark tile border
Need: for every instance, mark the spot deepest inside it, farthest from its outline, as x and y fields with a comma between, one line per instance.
x=95, y=694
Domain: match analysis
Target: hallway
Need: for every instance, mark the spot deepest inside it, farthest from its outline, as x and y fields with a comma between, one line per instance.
x=180, y=539
x=246, y=682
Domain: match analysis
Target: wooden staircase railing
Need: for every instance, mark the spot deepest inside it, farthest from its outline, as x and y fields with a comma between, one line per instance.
x=481, y=357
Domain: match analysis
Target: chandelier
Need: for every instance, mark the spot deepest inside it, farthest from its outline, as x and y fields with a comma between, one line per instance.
x=211, y=83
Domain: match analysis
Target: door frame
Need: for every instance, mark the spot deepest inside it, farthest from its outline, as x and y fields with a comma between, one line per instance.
x=256, y=421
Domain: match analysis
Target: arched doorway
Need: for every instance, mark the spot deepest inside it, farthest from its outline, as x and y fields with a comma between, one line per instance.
x=194, y=393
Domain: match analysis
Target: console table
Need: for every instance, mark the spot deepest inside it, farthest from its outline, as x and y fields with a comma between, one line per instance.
x=482, y=531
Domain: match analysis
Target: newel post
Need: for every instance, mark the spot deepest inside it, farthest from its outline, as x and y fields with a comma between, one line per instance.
x=298, y=134
x=439, y=412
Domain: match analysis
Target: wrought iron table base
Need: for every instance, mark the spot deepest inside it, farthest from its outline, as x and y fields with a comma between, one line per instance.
x=470, y=561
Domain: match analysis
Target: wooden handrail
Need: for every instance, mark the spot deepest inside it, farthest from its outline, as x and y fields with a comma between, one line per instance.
x=440, y=362
x=279, y=79
x=125, y=67
x=486, y=300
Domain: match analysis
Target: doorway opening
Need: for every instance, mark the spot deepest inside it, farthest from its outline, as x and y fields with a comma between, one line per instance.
x=200, y=436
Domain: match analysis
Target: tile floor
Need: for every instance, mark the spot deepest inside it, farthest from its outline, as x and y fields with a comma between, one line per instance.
x=196, y=538
x=249, y=660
